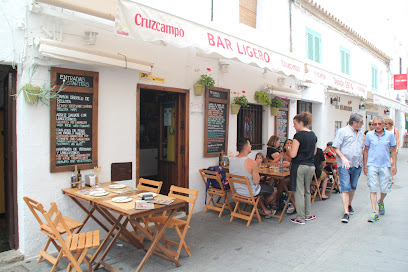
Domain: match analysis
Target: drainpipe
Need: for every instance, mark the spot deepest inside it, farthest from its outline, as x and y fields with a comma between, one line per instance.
x=290, y=26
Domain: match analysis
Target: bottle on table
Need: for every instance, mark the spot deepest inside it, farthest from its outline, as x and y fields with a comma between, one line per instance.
x=73, y=180
x=80, y=184
x=221, y=159
x=281, y=165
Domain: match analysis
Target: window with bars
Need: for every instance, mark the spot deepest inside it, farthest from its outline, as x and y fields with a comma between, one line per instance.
x=313, y=45
x=247, y=12
x=345, y=60
x=374, y=78
x=250, y=125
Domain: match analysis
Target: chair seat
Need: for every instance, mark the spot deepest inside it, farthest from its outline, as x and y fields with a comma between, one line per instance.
x=216, y=191
x=81, y=241
x=173, y=222
x=71, y=223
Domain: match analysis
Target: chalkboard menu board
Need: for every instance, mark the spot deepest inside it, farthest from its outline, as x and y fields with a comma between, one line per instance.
x=216, y=121
x=281, y=124
x=74, y=120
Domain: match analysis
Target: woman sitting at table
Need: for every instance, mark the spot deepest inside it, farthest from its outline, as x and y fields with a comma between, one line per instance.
x=286, y=163
x=330, y=154
x=273, y=147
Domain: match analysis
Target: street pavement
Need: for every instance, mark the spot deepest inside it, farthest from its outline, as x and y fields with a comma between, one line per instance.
x=324, y=244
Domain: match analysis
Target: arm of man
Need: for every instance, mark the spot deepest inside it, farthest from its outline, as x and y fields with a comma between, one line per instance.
x=365, y=155
x=394, y=160
x=344, y=160
x=294, y=149
x=252, y=168
x=397, y=140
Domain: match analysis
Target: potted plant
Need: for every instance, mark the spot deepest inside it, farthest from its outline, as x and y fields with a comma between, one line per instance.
x=204, y=81
x=238, y=102
x=276, y=103
x=35, y=93
x=263, y=98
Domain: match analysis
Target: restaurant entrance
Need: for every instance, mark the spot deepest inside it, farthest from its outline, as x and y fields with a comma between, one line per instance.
x=162, y=127
x=8, y=162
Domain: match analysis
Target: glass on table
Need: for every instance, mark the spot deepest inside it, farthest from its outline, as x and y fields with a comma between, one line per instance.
x=262, y=166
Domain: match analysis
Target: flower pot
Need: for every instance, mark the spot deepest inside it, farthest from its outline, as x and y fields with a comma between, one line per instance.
x=274, y=111
x=31, y=94
x=235, y=108
x=259, y=100
x=198, y=89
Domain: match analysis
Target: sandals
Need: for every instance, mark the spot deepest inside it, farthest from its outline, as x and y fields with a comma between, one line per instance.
x=291, y=209
x=267, y=216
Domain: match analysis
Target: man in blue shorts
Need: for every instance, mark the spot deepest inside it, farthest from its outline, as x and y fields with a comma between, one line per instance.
x=377, y=165
x=348, y=144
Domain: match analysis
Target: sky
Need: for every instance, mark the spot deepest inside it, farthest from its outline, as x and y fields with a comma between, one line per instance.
x=378, y=21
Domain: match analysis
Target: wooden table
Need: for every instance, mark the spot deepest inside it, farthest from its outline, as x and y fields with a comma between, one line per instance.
x=119, y=215
x=279, y=176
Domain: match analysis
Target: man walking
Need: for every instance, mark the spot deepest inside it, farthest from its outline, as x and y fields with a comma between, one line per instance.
x=348, y=145
x=377, y=165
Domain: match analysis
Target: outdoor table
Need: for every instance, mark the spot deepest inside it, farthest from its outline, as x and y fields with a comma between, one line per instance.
x=279, y=176
x=119, y=215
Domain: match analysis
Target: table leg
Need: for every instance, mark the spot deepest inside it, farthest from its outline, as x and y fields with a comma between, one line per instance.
x=155, y=242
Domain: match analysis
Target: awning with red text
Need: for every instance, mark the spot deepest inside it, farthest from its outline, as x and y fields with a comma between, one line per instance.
x=147, y=24
x=333, y=81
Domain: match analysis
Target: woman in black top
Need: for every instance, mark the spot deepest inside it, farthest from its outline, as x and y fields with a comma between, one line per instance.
x=273, y=147
x=302, y=166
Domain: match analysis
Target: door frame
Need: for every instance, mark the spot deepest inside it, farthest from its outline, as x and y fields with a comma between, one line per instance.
x=183, y=167
x=10, y=153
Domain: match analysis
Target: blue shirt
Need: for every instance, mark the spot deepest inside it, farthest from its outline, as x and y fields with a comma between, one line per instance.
x=351, y=144
x=379, y=152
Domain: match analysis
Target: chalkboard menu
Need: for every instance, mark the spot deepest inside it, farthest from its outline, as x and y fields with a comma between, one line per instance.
x=216, y=121
x=74, y=120
x=281, y=124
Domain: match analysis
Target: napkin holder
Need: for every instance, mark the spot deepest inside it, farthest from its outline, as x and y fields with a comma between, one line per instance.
x=90, y=180
x=148, y=197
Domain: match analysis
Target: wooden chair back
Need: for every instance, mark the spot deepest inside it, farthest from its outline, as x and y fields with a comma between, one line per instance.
x=36, y=208
x=149, y=185
x=251, y=200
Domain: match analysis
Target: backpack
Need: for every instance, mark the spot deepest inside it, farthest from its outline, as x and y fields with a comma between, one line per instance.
x=213, y=182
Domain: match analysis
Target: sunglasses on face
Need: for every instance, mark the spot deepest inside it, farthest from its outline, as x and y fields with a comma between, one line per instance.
x=377, y=124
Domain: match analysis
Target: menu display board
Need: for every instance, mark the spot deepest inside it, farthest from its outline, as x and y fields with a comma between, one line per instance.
x=216, y=121
x=74, y=120
x=281, y=124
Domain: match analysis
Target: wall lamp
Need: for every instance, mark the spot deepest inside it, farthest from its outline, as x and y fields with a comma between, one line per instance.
x=335, y=100
x=387, y=111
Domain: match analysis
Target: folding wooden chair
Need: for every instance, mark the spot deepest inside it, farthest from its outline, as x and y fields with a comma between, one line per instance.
x=212, y=192
x=335, y=183
x=149, y=185
x=38, y=210
x=251, y=200
x=316, y=183
x=78, y=243
x=181, y=226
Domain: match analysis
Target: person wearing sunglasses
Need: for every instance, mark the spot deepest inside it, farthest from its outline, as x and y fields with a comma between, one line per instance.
x=370, y=128
x=349, y=145
x=377, y=165
x=389, y=126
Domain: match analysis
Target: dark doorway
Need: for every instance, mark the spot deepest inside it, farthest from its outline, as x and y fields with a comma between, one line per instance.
x=8, y=162
x=162, y=145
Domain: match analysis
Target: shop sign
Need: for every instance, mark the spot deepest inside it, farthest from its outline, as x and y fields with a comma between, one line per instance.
x=400, y=82
x=143, y=23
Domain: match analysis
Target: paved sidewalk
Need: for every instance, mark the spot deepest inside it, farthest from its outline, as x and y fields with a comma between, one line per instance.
x=324, y=244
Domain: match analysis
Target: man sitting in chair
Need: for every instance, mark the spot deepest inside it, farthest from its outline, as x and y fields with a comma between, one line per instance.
x=241, y=165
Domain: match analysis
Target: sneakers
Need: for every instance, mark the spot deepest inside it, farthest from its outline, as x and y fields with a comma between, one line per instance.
x=373, y=217
x=345, y=218
x=351, y=211
x=294, y=220
x=312, y=217
x=381, y=207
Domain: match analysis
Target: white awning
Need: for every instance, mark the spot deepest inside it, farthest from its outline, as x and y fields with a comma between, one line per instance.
x=335, y=82
x=388, y=102
x=64, y=51
x=147, y=24
x=284, y=92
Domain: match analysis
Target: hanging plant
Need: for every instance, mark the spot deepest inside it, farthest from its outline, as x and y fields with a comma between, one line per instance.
x=263, y=98
x=35, y=93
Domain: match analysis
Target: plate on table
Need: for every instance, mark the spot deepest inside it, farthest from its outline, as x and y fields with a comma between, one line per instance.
x=147, y=193
x=99, y=193
x=117, y=186
x=122, y=199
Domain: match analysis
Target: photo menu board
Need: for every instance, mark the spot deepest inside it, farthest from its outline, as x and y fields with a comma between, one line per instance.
x=74, y=120
x=281, y=124
x=216, y=121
